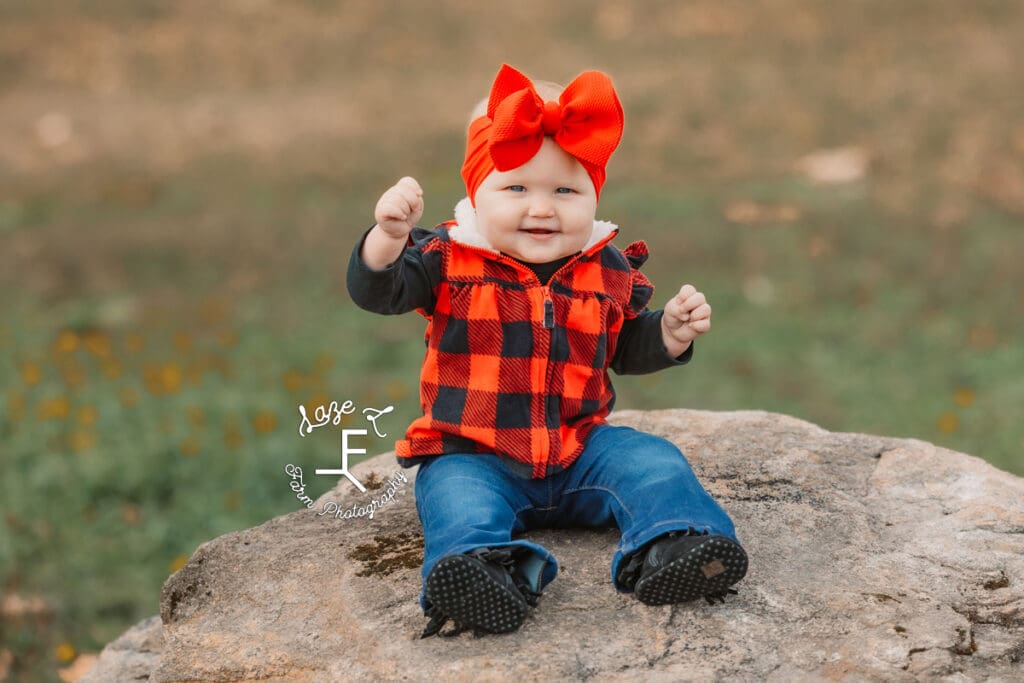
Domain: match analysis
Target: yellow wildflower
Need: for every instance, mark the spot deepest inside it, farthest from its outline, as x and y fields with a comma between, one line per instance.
x=162, y=378
x=264, y=422
x=66, y=342
x=97, y=343
x=87, y=415
x=31, y=373
x=170, y=377
x=190, y=446
x=948, y=423
x=112, y=368
x=964, y=397
x=81, y=440
x=65, y=652
x=293, y=380
x=53, y=408
x=178, y=563
x=314, y=402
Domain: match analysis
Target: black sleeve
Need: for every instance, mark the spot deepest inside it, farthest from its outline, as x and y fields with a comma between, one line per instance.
x=402, y=286
x=640, y=349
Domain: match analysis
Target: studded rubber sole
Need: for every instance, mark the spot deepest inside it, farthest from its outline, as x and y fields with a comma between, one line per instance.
x=461, y=588
x=707, y=569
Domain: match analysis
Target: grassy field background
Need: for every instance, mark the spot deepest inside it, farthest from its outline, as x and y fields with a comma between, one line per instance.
x=181, y=185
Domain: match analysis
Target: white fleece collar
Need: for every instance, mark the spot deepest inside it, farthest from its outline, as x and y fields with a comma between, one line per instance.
x=469, y=234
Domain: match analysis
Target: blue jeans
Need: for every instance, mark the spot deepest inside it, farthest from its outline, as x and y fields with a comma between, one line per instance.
x=637, y=481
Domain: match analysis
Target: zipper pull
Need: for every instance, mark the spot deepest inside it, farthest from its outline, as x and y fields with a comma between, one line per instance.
x=549, y=314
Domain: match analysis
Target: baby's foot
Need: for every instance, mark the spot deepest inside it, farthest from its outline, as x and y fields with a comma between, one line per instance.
x=476, y=590
x=681, y=567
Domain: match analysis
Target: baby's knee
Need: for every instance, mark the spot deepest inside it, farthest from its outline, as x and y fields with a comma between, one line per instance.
x=463, y=493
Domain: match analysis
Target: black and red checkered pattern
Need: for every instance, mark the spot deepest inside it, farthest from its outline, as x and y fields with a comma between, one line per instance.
x=517, y=368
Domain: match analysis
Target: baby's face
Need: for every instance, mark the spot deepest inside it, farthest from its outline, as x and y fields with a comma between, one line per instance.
x=541, y=211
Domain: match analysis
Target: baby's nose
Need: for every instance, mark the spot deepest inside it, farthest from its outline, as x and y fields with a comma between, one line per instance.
x=541, y=207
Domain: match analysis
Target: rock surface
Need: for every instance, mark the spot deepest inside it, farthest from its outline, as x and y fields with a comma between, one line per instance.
x=870, y=558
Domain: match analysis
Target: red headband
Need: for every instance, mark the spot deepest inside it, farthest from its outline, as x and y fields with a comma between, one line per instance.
x=586, y=122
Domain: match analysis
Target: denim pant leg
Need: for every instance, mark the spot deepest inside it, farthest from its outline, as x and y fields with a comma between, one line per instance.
x=468, y=501
x=645, y=483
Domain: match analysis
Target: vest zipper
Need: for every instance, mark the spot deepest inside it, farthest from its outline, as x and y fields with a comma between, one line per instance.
x=549, y=325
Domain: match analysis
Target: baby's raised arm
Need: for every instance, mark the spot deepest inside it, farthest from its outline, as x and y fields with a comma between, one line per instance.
x=398, y=211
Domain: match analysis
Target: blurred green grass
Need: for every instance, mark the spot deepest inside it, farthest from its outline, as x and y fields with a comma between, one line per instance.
x=176, y=288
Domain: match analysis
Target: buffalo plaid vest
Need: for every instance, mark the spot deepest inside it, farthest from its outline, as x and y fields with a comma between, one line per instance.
x=517, y=368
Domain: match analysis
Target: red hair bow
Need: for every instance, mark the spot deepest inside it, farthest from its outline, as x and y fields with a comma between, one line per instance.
x=586, y=122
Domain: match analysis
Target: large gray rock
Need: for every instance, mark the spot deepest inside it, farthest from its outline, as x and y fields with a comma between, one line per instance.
x=870, y=558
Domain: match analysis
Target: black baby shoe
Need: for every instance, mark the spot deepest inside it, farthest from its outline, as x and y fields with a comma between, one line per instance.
x=481, y=590
x=685, y=565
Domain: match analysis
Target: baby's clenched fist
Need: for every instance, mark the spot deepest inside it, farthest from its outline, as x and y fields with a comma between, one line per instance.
x=687, y=315
x=400, y=208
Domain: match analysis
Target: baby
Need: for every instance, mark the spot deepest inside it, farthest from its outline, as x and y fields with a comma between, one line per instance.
x=528, y=304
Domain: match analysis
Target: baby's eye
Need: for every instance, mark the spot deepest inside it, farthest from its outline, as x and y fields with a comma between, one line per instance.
x=565, y=190
x=516, y=188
